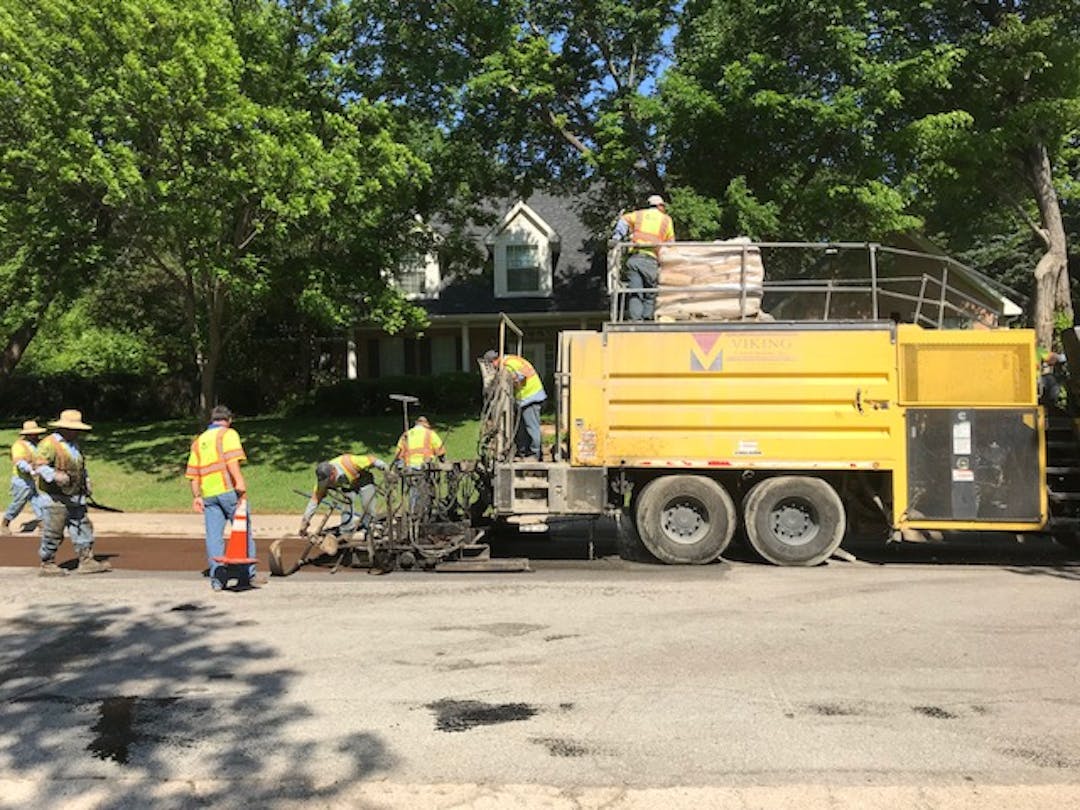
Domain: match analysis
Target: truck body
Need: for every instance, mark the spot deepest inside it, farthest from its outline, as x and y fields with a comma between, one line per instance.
x=798, y=431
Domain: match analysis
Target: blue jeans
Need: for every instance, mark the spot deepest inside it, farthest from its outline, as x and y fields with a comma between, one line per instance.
x=63, y=512
x=358, y=519
x=217, y=511
x=528, y=436
x=23, y=493
x=642, y=272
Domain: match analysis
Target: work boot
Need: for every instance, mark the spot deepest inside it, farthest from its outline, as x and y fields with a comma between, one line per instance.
x=88, y=565
x=5, y=526
x=49, y=568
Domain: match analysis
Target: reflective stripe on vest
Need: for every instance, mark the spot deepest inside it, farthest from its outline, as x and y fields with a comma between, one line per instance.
x=64, y=461
x=532, y=384
x=347, y=462
x=201, y=471
x=414, y=455
x=650, y=227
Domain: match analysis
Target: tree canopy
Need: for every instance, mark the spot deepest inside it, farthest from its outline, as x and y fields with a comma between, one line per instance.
x=211, y=169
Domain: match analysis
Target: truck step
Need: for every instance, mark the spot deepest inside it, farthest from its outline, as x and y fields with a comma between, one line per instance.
x=1063, y=497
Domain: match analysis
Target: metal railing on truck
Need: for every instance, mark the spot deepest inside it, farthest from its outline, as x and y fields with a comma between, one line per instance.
x=822, y=281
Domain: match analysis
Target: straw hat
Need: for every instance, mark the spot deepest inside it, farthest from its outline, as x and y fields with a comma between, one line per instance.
x=70, y=419
x=31, y=428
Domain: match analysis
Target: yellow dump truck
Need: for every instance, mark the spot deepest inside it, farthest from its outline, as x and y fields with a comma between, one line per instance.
x=794, y=430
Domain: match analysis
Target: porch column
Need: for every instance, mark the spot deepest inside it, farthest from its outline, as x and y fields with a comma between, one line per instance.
x=350, y=357
x=466, y=350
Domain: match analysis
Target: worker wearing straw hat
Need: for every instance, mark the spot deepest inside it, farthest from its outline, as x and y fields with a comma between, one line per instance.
x=61, y=469
x=23, y=486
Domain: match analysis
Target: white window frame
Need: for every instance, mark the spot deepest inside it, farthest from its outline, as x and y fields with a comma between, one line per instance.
x=428, y=264
x=523, y=226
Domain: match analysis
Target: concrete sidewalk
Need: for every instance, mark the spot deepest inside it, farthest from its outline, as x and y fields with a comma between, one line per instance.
x=173, y=524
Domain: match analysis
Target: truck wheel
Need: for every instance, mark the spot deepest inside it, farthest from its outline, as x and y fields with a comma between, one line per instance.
x=685, y=519
x=794, y=520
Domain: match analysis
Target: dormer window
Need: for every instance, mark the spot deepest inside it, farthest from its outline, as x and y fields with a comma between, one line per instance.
x=523, y=269
x=523, y=250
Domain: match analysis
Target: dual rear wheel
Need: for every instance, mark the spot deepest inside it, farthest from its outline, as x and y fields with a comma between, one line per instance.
x=690, y=520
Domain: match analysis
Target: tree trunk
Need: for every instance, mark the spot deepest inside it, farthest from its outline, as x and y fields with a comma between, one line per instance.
x=16, y=346
x=211, y=360
x=1052, y=288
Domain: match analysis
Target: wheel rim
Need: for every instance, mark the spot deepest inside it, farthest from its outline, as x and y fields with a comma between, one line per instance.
x=685, y=520
x=794, y=521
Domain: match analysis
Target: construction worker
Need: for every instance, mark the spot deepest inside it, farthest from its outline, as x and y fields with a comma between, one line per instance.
x=1049, y=386
x=529, y=394
x=23, y=486
x=419, y=445
x=351, y=475
x=60, y=467
x=217, y=488
x=646, y=228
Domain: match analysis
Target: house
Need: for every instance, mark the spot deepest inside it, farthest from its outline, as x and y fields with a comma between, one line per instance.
x=538, y=263
x=541, y=265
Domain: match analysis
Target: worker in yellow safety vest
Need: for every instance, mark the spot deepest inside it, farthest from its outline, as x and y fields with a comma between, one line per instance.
x=23, y=485
x=419, y=445
x=350, y=475
x=217, y=488
x=529, y=394
x=646, y=229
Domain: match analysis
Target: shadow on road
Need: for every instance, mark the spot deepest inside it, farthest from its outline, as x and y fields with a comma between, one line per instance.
x=570, y=540
x=125, y=699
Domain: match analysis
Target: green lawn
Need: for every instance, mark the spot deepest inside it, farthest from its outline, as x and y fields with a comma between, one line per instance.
x=140, y=467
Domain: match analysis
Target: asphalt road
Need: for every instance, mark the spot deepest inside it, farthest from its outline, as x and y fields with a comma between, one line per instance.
x=947, y=676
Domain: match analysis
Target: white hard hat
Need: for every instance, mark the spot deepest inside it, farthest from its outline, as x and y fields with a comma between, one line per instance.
x=656, y=199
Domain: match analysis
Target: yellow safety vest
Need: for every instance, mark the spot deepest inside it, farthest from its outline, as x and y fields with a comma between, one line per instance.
x=531, y=385
x=353, y=466
x=418, y=445
x=649, y=226
x=210, y=452
x=22, y=450
x=54, y=452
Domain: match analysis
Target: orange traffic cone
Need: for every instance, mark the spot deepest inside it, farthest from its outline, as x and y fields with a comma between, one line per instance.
x=236, y=547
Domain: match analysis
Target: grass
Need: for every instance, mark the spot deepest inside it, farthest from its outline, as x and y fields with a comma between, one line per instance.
x=140, y=467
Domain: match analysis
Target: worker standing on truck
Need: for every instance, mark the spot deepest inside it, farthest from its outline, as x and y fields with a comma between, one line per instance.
x=23, y=486
x=60, y=466
x=646, y=228
x=350, y=475
x=529, y=394
x=1049, y=387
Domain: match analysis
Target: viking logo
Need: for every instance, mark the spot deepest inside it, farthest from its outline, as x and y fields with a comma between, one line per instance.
x=706, y=354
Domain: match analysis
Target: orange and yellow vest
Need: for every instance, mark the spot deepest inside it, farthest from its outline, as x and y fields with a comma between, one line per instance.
x=531, y=385
x=22, y=450
x=54, y=452
x=649, y=226
x=210, y=452
x=353, y=466
x=418, y=445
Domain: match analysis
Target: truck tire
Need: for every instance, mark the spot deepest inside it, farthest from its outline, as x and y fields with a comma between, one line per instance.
x=685, y=519
x=794, y=520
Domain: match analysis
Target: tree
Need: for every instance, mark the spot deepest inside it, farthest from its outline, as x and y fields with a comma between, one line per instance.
x=852, y=119
x=229, y=163
x=998, y=134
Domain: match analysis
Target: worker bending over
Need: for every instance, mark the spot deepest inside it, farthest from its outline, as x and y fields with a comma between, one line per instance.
x=529, y=394
x=350, y=475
